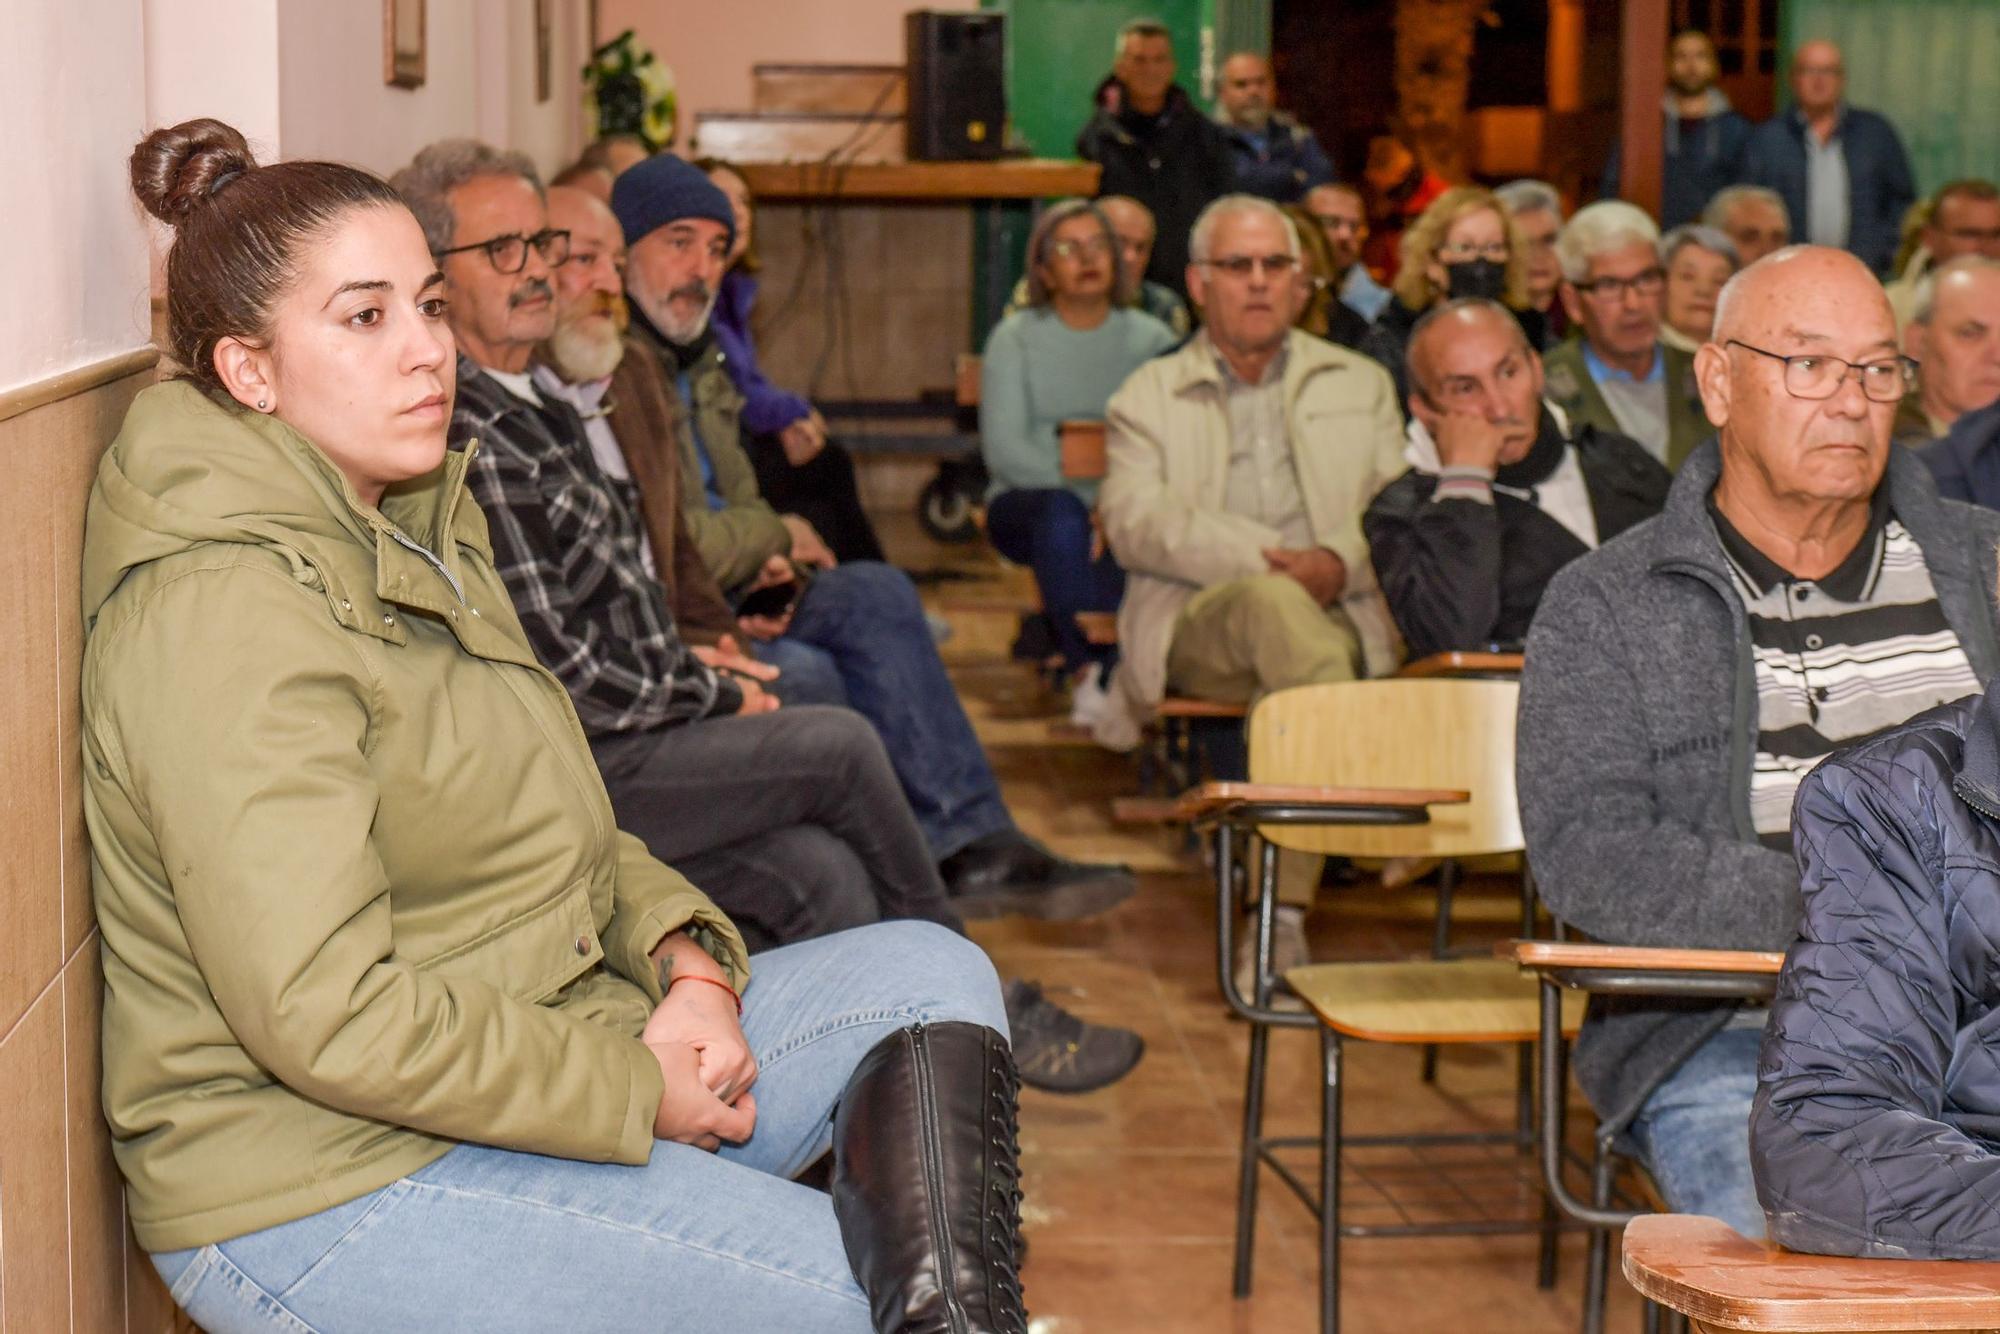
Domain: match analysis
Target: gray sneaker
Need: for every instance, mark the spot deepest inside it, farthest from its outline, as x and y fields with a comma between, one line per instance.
x=1059, y=1053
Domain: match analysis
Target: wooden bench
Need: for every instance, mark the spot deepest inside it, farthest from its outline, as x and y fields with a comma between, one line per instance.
x=1703, y=1269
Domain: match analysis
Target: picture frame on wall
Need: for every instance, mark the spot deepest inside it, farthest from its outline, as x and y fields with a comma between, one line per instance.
x=544, y=49
x=403, y=43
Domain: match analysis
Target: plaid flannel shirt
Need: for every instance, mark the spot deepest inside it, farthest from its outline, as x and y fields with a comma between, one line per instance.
x=566, y=540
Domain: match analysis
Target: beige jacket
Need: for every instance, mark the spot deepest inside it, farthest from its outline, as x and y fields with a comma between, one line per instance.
x=1161, y=503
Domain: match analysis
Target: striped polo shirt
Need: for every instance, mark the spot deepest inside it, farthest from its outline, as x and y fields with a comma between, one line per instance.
x=1839, y=659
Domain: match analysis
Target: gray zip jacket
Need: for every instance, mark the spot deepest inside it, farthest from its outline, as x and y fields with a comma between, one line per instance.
x=1637, y=727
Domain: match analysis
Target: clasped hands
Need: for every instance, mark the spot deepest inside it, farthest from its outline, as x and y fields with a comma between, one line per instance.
x=705, y=1062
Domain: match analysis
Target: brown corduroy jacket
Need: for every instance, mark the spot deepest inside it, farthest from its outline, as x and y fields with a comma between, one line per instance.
x=646, y=421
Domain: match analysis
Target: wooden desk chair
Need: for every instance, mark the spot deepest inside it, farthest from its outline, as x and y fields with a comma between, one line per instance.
x=1703, y=1269
x=1568, y=970
x=1441, y=735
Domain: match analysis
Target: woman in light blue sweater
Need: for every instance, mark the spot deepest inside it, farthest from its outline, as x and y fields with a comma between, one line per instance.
x=1058, y=360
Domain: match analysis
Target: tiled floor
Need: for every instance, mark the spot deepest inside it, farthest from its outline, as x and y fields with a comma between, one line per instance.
x=1131, y=1190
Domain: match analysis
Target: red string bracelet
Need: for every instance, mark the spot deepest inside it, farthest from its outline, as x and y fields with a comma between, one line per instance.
x=696, y=977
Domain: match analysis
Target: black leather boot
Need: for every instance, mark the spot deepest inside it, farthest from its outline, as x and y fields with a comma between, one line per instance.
x=926, y=1181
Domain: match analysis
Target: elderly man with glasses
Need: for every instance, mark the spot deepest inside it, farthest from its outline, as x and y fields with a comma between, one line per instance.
x=1239, y=469
x=1804, y=588
x=1618, y=376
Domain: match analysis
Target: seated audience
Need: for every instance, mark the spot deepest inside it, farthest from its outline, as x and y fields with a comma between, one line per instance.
x=1156, y=145
x=1841, y=170
x=1500, y=494
x=1132, y=223
x=1803, y=589
x=1753, y=217
x=1954, y=337
x=1964, y=219
x=1342, y=216
x=857, y=623
x=1872, y=1132
x=1704, y=137
x=1239, y=467
x=1537, y=212
x=1698, y=260
x=1060, y=360
x=1400, y=188
x=799, y=470
x=388, y=998
x=1321, y=312
x=1617, y=376
x=1464, y=245
x=793, y=817
x=1274, y=155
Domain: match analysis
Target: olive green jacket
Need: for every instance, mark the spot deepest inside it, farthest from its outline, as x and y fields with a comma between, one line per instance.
x=737, y=539
x=1568, y=385
x=360, y=888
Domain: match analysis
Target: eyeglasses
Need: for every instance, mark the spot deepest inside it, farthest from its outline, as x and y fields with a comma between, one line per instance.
x=1242, y=266
x=1457, y=252
x=1648, y=283
x=1094, y=248
x=509, y=253
x=1816, y=376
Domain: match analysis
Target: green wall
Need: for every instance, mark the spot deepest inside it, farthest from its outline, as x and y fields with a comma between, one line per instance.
x=1930, y=66
x=1059, y=50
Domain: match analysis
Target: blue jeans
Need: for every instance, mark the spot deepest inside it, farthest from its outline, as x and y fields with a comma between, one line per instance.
x=1694, y=1131
x=864, y=618
x=494, y=1240
x=1048, y=530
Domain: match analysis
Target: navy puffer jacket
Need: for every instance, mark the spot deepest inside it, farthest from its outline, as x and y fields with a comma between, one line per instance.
x=1876, y=1129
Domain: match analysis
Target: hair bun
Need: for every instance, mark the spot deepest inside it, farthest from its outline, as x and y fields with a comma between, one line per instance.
x=175, y=170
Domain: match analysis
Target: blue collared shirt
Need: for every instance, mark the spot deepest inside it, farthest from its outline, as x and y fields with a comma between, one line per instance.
x=1599, y=372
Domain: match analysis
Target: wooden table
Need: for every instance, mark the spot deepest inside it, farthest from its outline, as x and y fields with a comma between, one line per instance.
x=1702, y=1268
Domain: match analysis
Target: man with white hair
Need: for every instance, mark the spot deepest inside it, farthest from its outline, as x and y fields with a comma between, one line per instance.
x=1275, y=156
x=1954, y=337
x=1803, y=589
x=1537, y=211
x=1239, y=468
x=1618, y=376
x=1753, y=217
x=1842, y=171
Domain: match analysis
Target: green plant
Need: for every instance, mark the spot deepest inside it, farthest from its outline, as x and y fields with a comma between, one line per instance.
x=626, y=90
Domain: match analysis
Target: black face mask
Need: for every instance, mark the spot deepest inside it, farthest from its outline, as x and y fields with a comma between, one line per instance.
x=1476, y=278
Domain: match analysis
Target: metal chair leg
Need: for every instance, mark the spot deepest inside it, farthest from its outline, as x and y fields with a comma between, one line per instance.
x=1246, y=1184
x=1329, y=1184
x=1440, y=946
x=1597, y=1261
x=1649, y=1318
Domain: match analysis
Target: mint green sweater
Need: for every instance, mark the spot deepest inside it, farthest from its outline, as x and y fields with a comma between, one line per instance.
x=1038, y=373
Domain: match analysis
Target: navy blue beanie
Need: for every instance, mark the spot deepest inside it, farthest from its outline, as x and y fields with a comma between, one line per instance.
x=665, y=189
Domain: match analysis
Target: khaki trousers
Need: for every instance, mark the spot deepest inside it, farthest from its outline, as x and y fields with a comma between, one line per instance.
x=1238, y=641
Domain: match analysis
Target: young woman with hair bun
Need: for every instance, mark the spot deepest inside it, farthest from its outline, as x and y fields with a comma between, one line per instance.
x=400, y=1032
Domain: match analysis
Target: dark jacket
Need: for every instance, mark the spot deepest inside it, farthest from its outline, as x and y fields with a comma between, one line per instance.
x=1875, y=1129
x=1700, y=155
x=1287, y=163
x=1571, y=389
x=1880, y=190
x=1637, y=728
x=1176, y=164
x=1460, y=574
x=1966, y=462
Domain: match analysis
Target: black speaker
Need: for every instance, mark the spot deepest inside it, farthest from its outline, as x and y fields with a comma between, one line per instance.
x=957, y=84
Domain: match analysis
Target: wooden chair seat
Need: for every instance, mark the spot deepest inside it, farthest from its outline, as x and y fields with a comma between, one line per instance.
x=1704, y=1269
x=1427, y=1001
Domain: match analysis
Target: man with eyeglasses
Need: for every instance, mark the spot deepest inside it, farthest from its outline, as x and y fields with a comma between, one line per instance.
x=1964, y=220
x=1804, y=588
x=1841, y=170
x=1954, y=337
x=1342, y=215
x=1238, y=470
x=1618, y=376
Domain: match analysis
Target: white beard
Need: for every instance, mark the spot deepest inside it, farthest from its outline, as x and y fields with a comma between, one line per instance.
x=586, y=350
